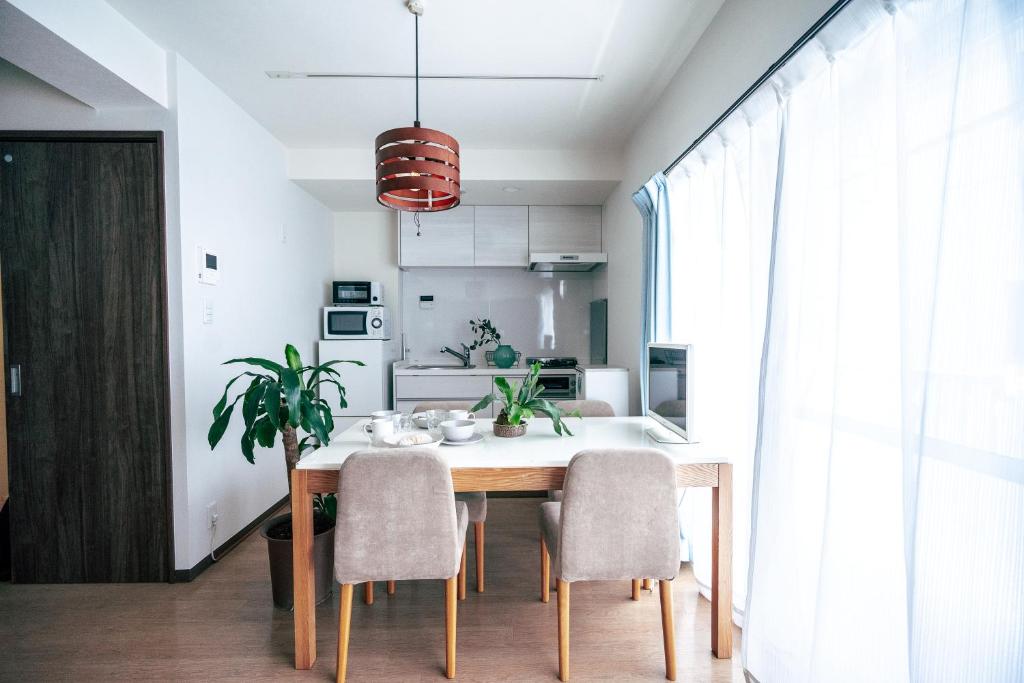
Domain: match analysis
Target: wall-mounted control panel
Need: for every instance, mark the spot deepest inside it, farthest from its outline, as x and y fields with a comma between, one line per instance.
x=207, y=266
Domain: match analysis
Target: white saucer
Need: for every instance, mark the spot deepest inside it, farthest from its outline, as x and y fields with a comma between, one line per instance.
x=476, y=438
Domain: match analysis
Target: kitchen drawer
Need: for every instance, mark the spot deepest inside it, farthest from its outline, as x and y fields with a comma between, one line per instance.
x=440, y=387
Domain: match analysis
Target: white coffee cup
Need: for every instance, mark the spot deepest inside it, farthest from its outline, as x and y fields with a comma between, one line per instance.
x=379, y=429
x=461, y=415
x=457, y=430
x=383, y=413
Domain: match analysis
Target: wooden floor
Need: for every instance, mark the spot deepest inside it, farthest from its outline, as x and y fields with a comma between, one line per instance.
x=222, y=626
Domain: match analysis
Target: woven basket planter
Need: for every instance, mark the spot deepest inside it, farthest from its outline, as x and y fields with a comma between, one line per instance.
x=509, y=431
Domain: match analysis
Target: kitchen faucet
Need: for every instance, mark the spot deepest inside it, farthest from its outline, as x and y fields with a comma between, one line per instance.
x=464, y=356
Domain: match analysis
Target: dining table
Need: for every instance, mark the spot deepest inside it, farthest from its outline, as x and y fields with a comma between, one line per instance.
x=535, y=461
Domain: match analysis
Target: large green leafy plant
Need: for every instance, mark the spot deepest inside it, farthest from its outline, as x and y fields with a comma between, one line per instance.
x=281, y=398
x=522, y=402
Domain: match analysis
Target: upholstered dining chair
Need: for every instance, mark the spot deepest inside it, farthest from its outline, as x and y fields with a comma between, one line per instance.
x=397, y=517
x=616, y=521
x=587, y=408
x=476, y=501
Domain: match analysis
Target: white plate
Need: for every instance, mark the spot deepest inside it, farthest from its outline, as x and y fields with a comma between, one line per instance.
x=476, y=438
x=392, y=441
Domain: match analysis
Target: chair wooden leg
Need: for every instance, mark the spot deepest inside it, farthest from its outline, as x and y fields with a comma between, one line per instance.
x=647, y=584
x=563, y=630
x=545, y=570
x=344, y=626
x=391, y=587
x=462, y=574
x=636, y=589
x=450, y=607
x=478, y=530
x=368, y=592
x=668, y=629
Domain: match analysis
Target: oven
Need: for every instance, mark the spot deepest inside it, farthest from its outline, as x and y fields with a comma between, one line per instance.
x=558, y=386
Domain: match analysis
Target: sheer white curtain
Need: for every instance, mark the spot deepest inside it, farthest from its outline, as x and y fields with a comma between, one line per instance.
x=889, y=516
x=722, y=196
x=871, y=200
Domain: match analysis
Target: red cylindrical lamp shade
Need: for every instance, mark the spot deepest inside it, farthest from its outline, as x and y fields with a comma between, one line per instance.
x=417, y=169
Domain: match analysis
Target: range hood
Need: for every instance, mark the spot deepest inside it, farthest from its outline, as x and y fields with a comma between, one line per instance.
x=562, y=263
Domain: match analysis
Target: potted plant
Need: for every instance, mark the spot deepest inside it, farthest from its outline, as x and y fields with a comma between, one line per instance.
x=522, y=403
x=283, y=398
x=504, y=355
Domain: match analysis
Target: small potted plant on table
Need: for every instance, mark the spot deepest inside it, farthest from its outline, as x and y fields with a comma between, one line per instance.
x=522, y=403
x=283, y=398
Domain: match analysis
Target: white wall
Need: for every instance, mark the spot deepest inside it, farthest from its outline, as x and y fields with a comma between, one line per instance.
x=275, y=249
x=742, y=41
x=94, y=31
x=366, y=248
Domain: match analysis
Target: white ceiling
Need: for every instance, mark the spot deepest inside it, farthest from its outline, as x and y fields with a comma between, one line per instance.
x=634, y=45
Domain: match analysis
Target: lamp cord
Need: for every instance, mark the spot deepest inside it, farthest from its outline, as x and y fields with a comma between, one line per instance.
x=417, y=123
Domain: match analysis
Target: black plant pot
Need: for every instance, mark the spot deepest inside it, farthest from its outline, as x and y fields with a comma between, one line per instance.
x=280, y=551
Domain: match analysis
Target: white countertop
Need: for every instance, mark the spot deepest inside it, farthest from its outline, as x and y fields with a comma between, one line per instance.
x=594, y=367
x=540, y=447
x=402, y=368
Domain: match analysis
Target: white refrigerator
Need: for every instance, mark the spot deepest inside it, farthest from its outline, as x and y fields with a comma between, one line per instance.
x=367, y=387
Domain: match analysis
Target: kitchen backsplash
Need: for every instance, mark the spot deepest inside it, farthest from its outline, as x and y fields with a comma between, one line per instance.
x=536, y=313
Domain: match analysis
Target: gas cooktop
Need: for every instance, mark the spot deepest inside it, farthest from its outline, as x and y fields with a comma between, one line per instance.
x=552, y=362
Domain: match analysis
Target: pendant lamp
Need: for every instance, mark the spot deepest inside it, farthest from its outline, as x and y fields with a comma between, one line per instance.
x=417, y=168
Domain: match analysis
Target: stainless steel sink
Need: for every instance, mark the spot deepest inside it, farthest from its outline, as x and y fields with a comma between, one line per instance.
x=439, y=367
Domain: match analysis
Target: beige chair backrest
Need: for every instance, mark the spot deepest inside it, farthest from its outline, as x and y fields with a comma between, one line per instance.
x=618, y=516
x=588, y=408
x=442, y=405
x=396, y=517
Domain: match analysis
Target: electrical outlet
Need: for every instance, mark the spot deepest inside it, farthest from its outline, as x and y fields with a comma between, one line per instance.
x=211, y=515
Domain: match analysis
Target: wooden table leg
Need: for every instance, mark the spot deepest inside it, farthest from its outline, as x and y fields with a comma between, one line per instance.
x=302, y=571
x=721, y=564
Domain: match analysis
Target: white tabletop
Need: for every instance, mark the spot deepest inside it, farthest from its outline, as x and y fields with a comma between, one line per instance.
x=540, y=447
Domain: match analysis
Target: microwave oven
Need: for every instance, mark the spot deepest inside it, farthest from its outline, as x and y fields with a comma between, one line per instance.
x=356, y=322
x=357, y=293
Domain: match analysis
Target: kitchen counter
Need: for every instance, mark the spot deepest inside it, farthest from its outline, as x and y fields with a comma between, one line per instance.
x=412, y=387
x=402, y=368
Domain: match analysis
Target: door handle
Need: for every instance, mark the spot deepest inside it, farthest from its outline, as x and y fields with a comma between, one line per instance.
x=15, y=380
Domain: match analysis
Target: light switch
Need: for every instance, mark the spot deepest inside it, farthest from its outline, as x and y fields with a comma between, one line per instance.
x=207, y=311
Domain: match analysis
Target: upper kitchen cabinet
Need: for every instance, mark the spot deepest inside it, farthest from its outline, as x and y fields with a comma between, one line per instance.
x=502, y=236
x=446, y=239
x=565, y=229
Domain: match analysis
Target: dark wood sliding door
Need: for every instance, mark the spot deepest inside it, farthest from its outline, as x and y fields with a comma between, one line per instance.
x=84, y=304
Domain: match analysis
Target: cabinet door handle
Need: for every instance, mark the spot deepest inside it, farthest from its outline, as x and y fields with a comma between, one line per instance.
x=15, y=380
